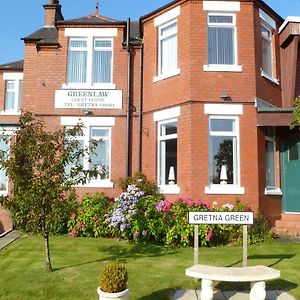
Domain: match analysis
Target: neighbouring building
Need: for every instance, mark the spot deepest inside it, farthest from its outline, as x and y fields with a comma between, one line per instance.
x=198, y=95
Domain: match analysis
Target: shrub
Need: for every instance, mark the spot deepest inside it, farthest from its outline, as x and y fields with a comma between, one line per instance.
x=89, y=219
x=113, y=278
x=139, y=180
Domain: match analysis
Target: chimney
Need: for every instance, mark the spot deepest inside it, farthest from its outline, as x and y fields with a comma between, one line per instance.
x=52, y=13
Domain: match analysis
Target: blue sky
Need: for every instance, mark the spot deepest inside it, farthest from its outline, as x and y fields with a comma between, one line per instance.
x=22, y=17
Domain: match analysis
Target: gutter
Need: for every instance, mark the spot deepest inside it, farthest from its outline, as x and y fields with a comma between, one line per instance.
x=140, y=129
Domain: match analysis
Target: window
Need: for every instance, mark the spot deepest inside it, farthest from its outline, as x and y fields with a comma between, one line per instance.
x=223, y=151
x=90, y=61
x=13, y=93
x=168, y=48
x=221, y=39
x=271, y=175
x=95, y=128
x=4, y=145
x=266, y=34
x=167, y=153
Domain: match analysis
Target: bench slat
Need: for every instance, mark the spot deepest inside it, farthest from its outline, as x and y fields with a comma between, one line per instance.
x=233, y=274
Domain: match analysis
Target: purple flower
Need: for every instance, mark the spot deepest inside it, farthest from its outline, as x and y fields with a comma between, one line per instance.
x=144, y=232
x=136, y=234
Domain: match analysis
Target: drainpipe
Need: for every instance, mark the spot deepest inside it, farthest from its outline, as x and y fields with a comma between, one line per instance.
x=127, y=158
x=140, y=130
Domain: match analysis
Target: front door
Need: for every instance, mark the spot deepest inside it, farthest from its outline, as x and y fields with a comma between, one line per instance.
x=291, y=175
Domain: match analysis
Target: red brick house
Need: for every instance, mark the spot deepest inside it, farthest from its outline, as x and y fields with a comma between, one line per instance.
x=197, y=95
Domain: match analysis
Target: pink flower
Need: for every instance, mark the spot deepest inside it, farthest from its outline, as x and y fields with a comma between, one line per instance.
x=164, y=222
x=80, y=209
x=209, y=235
x=73, y=216
x=95, y=219
x=198, y=202
x=72, y=234
x=80, y=225
x=190, y=202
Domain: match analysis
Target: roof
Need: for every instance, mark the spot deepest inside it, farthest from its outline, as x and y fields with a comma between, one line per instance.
x=13, y=66
x=91, y=20
x=44, y=36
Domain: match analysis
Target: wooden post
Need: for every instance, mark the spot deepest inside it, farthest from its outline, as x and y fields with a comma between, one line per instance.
x=196, y=244
x=245, y=244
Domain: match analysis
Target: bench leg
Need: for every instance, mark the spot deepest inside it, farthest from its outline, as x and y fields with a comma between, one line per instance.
x=207, y=292
x=258, y=291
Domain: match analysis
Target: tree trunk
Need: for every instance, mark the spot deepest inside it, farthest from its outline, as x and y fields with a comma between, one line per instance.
x=47, y=252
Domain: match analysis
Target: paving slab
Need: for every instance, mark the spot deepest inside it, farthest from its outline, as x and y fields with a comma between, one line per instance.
x=229, y=295
x=8, y=238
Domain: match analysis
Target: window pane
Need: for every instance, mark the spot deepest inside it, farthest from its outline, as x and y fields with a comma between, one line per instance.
x=99, y=132
x=169, y=30
x=223, y=153
x=169, y=128
x=221, y=46
x=78, y=44
x=267, y=56
x=102, y=44
x=74, y=163
x=270, y=164
x=168, y=162
x=220, y=19
x=222, y=125
x=3, y=177
x=77, y=66
x=10, y=96
x=102, y=66
x=20, y=95
x=100, y=158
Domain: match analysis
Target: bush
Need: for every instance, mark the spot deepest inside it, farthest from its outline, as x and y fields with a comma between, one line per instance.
x=89, y=219
x=113, y=278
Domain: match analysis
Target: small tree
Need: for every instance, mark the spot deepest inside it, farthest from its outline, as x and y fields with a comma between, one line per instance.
x=43, y=166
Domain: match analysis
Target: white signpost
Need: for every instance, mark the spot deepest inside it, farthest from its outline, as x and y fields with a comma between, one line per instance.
x=222, y=218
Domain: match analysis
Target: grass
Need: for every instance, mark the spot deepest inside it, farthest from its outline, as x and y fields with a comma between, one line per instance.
x=154, y=271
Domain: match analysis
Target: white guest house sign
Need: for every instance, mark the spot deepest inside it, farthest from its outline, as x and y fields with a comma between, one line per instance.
x=91, y=99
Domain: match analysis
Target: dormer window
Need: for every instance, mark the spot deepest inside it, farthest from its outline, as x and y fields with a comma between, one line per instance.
x=13, y=93
x=90, y=58
x=90, y=61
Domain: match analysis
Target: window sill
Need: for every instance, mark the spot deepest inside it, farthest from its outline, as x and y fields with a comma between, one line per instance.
x=269, y=77
x=273, y=191
x=3, y=193
x=222, y=68
x=102, y=86
x=224, y=190
x=98, y=184
x=169, y=189
x=10, y=113
x=167, y=75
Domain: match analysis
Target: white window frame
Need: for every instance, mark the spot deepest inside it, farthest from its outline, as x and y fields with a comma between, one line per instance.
x=17, y=79
x=224, y=67
x=165, y=188
x=272, y=190
x=176, y=71
x=89, y=123
x=9, y=132
x=235, y=188
x=90, y=39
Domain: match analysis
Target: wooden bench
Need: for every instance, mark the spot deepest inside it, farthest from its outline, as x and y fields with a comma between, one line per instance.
x=257, y=275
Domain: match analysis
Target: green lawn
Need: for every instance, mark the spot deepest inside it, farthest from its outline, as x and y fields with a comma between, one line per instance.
x=153, y=271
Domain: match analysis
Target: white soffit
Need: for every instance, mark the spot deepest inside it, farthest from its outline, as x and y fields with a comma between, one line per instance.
x=87, y=32
x=267, y=19
x=166, y=114
x=167, y=16
x=223, y=109
x=222, y=5
x=288, y=20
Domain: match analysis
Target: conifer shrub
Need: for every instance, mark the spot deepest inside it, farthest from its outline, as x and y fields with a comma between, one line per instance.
x=113, y=278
